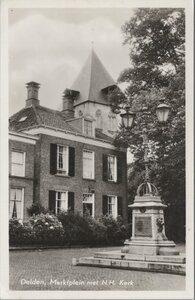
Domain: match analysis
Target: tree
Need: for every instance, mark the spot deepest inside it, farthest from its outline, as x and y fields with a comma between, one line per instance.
x=156, y=40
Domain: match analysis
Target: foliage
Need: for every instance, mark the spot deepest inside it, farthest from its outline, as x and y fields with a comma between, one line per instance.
x=39, y=230
x=48, y=229
x=35, y=209
x=20, y=232
x=67, y=229
x=156, y=39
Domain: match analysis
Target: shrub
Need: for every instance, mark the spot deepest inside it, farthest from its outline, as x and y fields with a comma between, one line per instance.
x=36, y=208
x=47, y=229
x=39, y=230
x=20, y=233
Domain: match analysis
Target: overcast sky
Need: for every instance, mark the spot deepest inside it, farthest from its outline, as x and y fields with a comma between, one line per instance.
x=50, y=46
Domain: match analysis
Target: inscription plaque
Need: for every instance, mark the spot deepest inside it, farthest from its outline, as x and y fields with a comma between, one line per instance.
x=143, y=226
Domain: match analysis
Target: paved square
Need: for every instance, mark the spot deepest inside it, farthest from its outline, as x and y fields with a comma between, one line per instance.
x=52, y=270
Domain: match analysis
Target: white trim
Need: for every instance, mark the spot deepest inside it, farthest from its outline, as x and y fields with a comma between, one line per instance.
x=21, y=137
x=71, y=136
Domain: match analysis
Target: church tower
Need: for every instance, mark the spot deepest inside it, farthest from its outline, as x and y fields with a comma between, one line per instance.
x=91, y=89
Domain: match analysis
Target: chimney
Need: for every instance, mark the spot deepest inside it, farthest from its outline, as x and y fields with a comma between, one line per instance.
x=67, y=104
x=32, y=96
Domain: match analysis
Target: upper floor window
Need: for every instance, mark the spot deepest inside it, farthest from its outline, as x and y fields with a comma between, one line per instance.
x=88, y=127
x=112, y=171
x=88, y=164
x=62, y=159
x=18, y=163
x=112, y=122
x=16, y=203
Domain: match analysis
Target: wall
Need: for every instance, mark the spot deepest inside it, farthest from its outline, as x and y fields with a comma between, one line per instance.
x=25, y=182
x=76, y=184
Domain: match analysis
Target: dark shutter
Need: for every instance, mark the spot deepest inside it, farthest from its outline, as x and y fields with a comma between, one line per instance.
x=53, y=158
x=71, y=201
x=105, y=167
x=120, y=206
x=104, y=204
x=71, y=161
x=119, y=168
x=52, y=201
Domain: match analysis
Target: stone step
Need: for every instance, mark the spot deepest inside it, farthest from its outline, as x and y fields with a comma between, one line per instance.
x=131, y=265
x=180, y=259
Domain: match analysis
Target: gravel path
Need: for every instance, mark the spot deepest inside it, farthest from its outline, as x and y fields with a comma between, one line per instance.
x=52, y=270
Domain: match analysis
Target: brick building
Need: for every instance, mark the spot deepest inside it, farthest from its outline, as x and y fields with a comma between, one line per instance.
x=66, y=159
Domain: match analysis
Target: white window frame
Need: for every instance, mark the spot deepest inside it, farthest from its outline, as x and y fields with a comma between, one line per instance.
x=22, y=201
x=93, y=164
x=91, y=201
x=57, y=200
x=115, y=168
x=24, y=163
x=114, y=214
x=62, y=171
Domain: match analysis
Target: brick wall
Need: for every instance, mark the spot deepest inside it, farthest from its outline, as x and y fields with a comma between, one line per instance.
x=25, y=182
x=45, y=181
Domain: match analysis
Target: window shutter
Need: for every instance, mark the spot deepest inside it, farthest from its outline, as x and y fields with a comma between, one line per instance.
x=119, y=168
x=53, y=158
x=120, y=206
x=71, y=201
x=71, y=161
x=105, y=167
x=52, y=201
x=104, y=204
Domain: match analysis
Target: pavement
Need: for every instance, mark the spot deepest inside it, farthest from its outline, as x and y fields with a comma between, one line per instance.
x=52, y=270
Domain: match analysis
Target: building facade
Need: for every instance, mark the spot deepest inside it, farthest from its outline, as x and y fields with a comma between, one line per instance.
x=68, y=156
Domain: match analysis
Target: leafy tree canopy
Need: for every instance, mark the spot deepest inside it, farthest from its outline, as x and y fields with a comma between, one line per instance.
x=156, y=41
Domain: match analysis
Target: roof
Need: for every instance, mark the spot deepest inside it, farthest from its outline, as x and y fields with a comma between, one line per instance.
x=92, y=79
x=41, y=116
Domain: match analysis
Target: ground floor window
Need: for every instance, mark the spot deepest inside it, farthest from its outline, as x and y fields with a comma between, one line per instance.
x=112, y=206
x=88, y=204
x=61, y=202
x=16, y=203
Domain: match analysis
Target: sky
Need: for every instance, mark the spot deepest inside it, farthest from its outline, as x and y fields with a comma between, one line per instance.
x=50, y=46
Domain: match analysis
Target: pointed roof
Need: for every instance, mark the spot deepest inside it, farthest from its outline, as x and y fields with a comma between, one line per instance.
x=92, y=79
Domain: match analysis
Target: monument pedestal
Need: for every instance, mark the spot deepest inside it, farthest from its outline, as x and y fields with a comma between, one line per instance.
x=148, y=249
x=148, y=230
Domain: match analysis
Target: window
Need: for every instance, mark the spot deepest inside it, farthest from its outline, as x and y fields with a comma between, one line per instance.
x=111, y=168
x=112, y=206
x=112, y=122
x=62, y=160
x=18, y=163
x=88, y=164
x=88, y=128
x=61, y=202
x=16, y=203
x=88, y=204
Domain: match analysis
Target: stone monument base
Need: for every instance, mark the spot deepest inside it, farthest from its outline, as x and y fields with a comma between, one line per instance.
x=174, y=264
x=145, y=247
